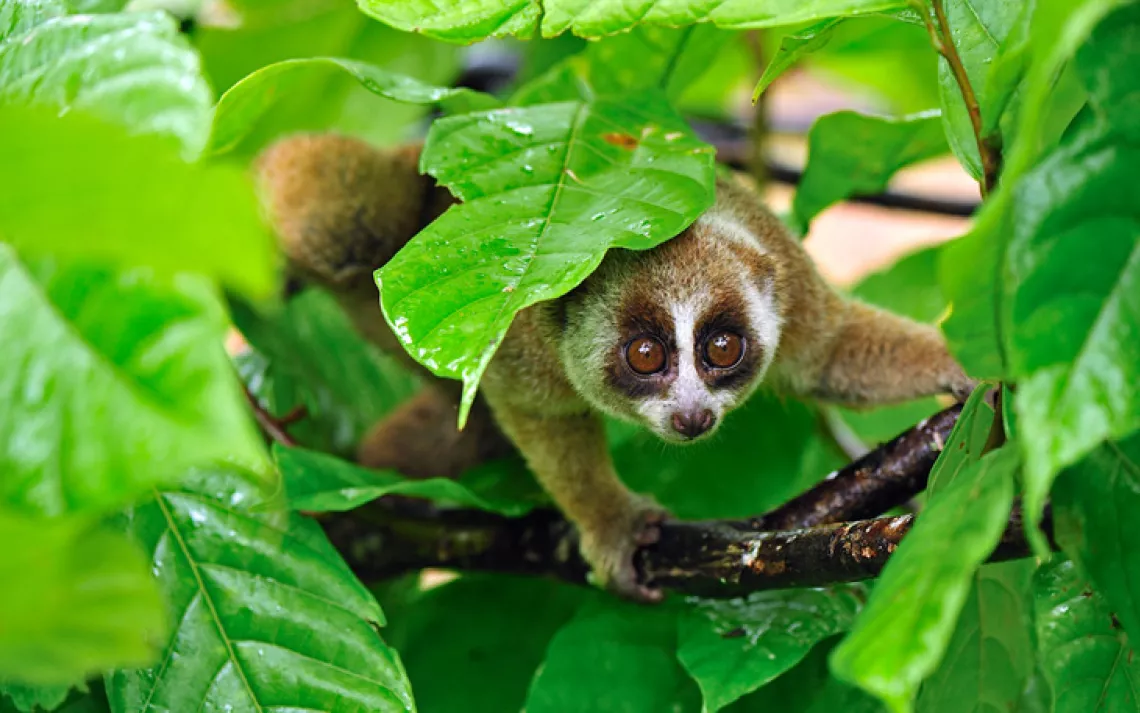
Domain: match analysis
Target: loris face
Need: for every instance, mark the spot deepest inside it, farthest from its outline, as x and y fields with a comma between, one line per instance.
x=676, y=337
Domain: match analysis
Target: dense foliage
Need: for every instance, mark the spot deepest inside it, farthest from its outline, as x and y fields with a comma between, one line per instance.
x=157, y=556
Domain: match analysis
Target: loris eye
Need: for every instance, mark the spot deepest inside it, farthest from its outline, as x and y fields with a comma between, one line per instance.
x=645, y=355
x=724, y=350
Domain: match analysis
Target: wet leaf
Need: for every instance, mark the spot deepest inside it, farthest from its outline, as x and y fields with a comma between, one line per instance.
x=266, y=614
x=545, y=195
x=734, y=647
x=117, y=381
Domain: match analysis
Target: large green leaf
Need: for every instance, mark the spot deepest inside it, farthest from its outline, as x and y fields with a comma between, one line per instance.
x=267, y=615
x=308, y=354
x=113, y=382
x=244, y=103
x=808, y=688
x=317, y=482
x=1083, y=650
x=468, y=20
x=472, y=645
x=132, y=68
x=79, y=188
x=1071, y=312
x=27, y=699
x=732, y=648
x=1096, y=503
x=907, y=624
x=614, y=657
x=76, y=600
x=851, y=154
x=990, y=656
x=547, y=189
x=978, y=29
x=972, y=265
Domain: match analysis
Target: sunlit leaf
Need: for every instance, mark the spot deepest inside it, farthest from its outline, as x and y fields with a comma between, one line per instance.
x=469, y=20
x=77, y=600
x=792, y=47
x=266, y=614
x=135, y=69
x=79, y=188
x=547, y=189
x=115, y=381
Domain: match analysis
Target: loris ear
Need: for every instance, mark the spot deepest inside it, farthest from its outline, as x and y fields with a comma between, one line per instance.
x=342, y=208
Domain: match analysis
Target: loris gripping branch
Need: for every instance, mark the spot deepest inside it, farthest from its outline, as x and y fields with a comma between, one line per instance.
x=672, y=338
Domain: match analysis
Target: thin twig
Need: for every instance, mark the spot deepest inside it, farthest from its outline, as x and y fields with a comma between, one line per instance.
x=272, y=426
x=989, y=150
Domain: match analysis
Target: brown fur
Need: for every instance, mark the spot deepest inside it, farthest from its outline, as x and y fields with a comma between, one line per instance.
x=342, y=209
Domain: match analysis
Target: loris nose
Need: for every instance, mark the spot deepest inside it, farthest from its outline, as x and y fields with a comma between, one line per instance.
x=693, y=423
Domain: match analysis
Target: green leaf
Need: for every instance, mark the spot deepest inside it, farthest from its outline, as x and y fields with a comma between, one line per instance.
x=308, y=354
x=967, y=441
x=990, y=656
x=852, y=154
x=614, y=657
x=1084, y=652
x=547, y=190
x=1070, y=326
x=906, y=626
x=116, y=381
x=793, y=46
x=267, y=615
x=247, y=101
x=647, y=57
x=808, y=688
x=978, y=29
x=320, y=483
x=78, y=600
x=767, y=451
x=491, y=652
x=734, y=647
x=134, y=69
x=1096, y=503
x=469, y=20
x=27, y=699
x=80, y=188
x=971, y=265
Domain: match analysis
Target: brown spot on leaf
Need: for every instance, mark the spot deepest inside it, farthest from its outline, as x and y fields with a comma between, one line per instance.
x=624, y=141
x=734, y=633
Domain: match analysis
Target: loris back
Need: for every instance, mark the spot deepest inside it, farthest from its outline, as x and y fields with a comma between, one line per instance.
x=672, y=338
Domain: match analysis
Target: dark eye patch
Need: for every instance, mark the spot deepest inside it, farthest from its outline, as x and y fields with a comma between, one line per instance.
x=726, y=314
x=637, y=319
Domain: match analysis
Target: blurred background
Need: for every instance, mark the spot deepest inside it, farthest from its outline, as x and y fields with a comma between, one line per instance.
x=873, y=65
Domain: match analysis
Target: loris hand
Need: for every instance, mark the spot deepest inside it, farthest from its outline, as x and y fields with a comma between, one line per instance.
x=609, y=546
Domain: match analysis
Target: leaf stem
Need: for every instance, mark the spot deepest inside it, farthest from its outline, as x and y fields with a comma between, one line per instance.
x=989, y=147
x=272, y=426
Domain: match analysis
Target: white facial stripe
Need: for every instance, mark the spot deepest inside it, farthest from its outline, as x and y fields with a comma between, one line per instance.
x=726, y=226
x=687, y=389
x=767, y=322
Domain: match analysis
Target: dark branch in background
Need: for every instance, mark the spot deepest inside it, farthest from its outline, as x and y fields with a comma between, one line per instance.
x=989, y=148
x=801, y=543
x=274, y=427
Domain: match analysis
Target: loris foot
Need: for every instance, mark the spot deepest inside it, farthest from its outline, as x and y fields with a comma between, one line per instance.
x=609, y=548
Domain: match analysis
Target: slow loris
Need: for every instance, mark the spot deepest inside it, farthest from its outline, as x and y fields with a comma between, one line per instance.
x=672, y=338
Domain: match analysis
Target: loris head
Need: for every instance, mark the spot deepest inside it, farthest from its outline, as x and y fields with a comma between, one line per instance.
x=675, y=337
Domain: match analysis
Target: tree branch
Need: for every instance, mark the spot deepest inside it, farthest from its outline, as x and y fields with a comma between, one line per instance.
x=273, y=427
x=802, y=543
